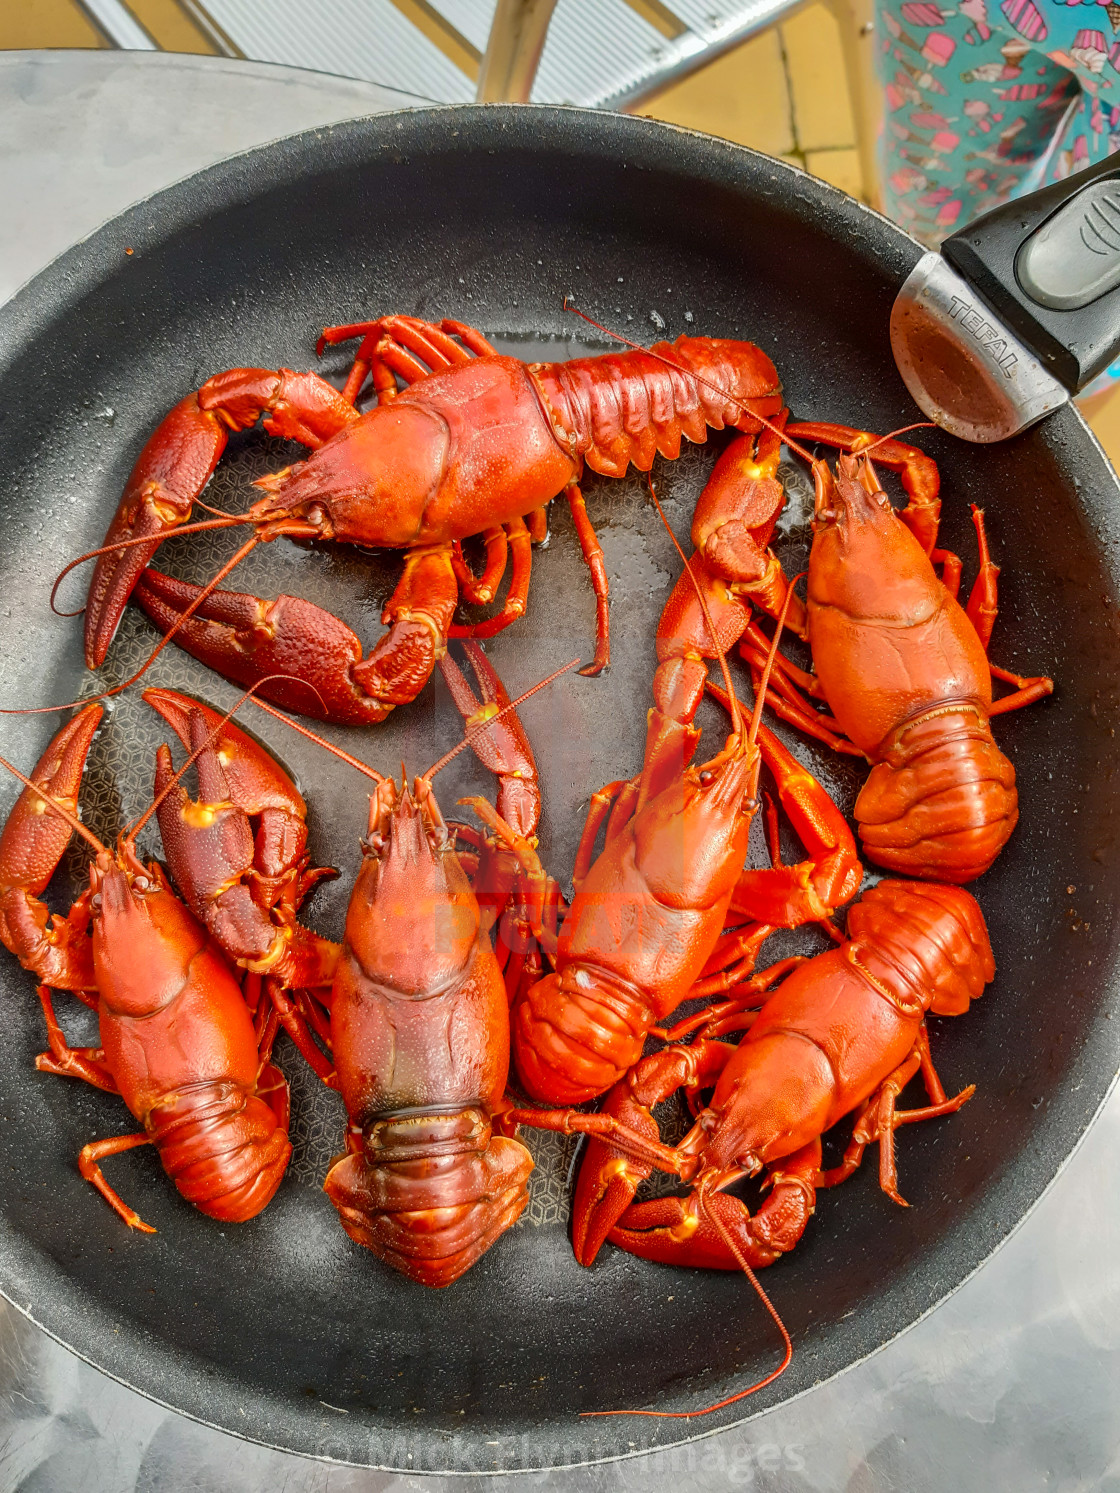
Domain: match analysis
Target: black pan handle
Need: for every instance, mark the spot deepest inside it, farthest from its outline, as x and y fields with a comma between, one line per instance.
x=1049, y=264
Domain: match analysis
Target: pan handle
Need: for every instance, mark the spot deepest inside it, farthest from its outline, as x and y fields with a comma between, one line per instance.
x=1049, y=263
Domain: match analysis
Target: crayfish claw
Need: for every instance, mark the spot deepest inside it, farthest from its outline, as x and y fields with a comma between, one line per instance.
x=714, y=1231
x=171, y=471
x=496, y=737
x=246, y=639
x=56, y=949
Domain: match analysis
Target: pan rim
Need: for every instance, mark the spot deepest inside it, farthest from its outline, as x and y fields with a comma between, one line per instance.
x=44, y=300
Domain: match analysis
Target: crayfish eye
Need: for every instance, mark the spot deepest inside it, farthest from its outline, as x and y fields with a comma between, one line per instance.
x=707, y=775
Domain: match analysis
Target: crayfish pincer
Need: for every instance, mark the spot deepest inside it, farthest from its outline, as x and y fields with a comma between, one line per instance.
x=178, y=1043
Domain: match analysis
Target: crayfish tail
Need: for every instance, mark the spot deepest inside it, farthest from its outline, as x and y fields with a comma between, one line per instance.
x=225, y=1149
x=571, y=1041
x=628, y=407
x=430, y=1214
x=942, y=802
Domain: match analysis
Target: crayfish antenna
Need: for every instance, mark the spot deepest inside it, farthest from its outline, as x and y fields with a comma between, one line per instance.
x=107, y=694
x=787, y=1356
x=335, y=751
x=764, y=681
x=902, y=430
x=224, y=521
x=294, y=529
x=371, y=772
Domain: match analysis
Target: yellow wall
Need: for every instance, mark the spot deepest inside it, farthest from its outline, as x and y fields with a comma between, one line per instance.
x=46, y=23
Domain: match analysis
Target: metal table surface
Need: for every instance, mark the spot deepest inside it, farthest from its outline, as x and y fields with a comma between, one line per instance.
x=1011, y=1384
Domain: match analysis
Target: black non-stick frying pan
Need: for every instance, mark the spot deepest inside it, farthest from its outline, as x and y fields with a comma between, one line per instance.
x=282, y=1330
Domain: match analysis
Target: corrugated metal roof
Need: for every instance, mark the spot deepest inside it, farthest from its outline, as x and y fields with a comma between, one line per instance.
x=471, y=18
x=593, y=48
x=368, y=39
x=596, y=52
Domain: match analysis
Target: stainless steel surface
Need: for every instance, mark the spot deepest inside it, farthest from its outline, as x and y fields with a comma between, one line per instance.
x=962, y=366
x=1010, y=1385
x=85, y=134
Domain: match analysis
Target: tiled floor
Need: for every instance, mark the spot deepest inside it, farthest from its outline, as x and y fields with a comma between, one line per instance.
x=785, y=92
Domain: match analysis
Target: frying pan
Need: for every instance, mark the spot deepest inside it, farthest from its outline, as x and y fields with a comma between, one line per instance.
x=281, y=1330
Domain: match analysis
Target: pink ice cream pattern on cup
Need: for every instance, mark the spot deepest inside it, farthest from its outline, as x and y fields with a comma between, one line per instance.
x=1022, y=91
x=1090, y=49
x=977, y=12
x=919, y=13
x=907, y=180
x=1025, y=17
x=938, y=48
x=977, y=110
x=948, y=213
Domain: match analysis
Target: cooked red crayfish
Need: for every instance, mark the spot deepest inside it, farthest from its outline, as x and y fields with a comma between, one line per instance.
x=419, y=1015
x=845, y=1031
x=419, y=1020
x=903, y=667
x=476, y=444
x=239, y=857
x=647, y=927
x=178, y=1041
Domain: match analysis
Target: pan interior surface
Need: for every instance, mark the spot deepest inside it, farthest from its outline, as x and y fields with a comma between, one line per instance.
x=493, y=217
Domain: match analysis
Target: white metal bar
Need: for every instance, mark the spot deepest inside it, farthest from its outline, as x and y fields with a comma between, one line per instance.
x=119, y=25
x=694, y=51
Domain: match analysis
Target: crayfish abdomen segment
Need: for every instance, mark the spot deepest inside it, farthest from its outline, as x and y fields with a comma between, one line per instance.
x=942, y=802
x=933, y=937
x=576, y=1033
x=428, y=1193
x=223, y=1147
x=627, y=407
